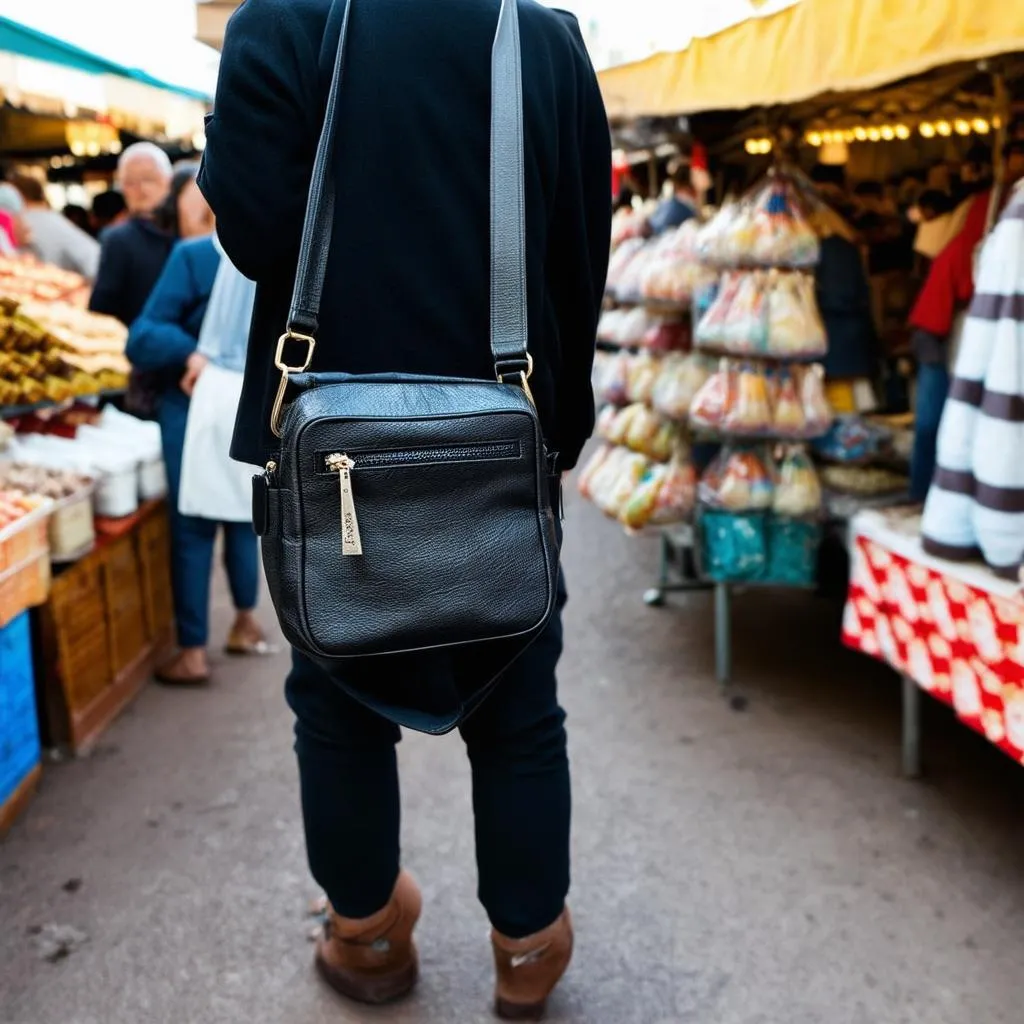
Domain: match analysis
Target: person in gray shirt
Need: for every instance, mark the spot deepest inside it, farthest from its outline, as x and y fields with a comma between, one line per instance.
x=54, y=238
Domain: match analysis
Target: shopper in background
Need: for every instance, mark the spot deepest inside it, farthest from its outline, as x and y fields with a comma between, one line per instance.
x=79, y=216
x=185, y=213
x=381, y=303
x=133, y=253
x=679, y=207
x=108, y=209
x=54, y=238
x=163, y=343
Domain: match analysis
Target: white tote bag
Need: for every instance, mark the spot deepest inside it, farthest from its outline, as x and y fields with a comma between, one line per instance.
x=213, y=486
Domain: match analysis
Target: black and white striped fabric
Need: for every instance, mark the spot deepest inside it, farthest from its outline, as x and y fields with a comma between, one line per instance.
x=976, y=502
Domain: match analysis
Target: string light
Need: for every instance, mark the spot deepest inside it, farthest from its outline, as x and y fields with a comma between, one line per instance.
x=944, y=128
x=860, y=134
x=757, y=147
x=874, y=134
x=902, y=131
x=814, y=139
x=927, y=129
x=962, y=127
x=888, y=132
x=980, y=125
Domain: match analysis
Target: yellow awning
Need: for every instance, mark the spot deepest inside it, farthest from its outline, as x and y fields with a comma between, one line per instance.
x=814, y=47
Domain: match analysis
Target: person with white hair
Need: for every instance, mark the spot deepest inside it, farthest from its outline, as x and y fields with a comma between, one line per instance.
x=133, y=253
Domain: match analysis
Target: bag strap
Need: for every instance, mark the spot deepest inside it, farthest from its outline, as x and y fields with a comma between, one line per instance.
x=508, y=329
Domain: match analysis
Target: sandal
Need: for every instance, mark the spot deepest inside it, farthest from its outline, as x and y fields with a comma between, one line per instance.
x=239, y=646
x=171, y=675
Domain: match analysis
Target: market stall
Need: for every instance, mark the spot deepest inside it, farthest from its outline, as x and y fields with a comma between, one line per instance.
x=907, y=94
x=952, y=630
x=84, y=570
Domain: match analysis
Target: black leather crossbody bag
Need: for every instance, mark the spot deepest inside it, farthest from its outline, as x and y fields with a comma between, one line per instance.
x=410, y=513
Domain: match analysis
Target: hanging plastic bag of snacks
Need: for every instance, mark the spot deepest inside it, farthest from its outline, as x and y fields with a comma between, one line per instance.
x=795, y=328
x=711, y=328
x=797, y=489
x=713, y=401
x=641, y=372
x=681, y=378
x=591, y=468
x=817, y=411
x=789, y=419
x=745, y=329
x=738, y=480
x=751, y=413
x=677, y=495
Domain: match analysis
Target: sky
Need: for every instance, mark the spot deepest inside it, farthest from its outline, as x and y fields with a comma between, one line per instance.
x=157, y=35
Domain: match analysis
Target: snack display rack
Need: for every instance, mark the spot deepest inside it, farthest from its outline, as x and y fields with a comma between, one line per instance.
x=741, y=374
x=85, y=606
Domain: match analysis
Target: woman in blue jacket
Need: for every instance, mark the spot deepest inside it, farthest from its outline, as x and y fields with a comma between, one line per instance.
x=163, y=340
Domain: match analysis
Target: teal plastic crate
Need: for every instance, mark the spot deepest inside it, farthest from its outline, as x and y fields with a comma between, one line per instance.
x=19, y=724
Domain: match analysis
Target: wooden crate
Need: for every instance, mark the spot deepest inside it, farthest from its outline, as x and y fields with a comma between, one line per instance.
x=106, y=624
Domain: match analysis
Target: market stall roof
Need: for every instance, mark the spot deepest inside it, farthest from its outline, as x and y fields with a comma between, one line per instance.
x=23, y=41
x=813, y=47
x=51, y=78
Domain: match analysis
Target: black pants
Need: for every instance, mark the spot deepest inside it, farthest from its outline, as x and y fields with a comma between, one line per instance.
x=521, y=796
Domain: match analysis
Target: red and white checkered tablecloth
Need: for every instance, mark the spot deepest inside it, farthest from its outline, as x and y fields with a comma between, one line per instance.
x=956, y=630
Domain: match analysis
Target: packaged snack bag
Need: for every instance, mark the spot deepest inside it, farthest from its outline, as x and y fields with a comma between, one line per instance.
x=642, y=429
x=789, y=420
x=668, y=336
x=681, y=378
x=713, y=401
x=737, y=481
x=751, y=413
x=711, y=328
x=817, y=412
x=591, y=468
x=614, y=484
x=641, y=373
x=607, y=421
x=638, y=508
x=745, y=328
x=677, y=493
x=611, y=377
x=797, y=490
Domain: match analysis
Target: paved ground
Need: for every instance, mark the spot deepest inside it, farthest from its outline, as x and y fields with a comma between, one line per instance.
x=757, y=867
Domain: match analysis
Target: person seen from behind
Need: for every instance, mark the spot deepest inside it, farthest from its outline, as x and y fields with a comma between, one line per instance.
x=108, y=209
x=163, y=342
x=680, y=206
x=421, y=72
x=54, y=238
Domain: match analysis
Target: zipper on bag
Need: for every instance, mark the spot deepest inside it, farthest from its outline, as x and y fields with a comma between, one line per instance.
x=343, y=464
x=351, y=543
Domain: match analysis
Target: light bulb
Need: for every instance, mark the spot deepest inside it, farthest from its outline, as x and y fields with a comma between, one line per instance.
x=750, y=146
x=814, y=139
x=944, y=128
x=902, y=131
x=980, y=125
x=927, y=129
x=888, y=133
x=874, y=134
x=860, y=134
x=962, y=127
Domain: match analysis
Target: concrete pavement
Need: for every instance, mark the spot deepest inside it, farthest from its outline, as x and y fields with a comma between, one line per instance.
x=767, y=866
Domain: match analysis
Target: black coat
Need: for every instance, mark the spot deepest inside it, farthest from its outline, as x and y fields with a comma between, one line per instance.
x=132, y=258
x=407, y=285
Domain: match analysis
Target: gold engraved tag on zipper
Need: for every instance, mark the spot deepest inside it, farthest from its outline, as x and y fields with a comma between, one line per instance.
x=351, y=543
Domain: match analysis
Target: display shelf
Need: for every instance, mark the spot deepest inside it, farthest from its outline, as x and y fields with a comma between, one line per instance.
x=767, y=358
x=13, y=412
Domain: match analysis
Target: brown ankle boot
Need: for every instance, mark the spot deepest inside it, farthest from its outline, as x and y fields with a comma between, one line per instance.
x=530, y=968
x=373, y=960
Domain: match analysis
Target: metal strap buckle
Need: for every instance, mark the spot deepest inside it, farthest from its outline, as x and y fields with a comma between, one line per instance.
x=286, y=370
x=524, y=378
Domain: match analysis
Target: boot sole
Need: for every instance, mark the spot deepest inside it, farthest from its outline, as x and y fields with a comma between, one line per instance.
x=373, y=990
x=519, y=1011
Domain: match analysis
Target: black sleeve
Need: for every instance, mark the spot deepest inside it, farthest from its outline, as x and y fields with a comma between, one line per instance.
x=579, y=249
x=108, y=293
x=261, y=138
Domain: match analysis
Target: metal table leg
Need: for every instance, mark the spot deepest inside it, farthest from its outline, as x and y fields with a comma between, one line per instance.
x=911, y=729
x=723, y=634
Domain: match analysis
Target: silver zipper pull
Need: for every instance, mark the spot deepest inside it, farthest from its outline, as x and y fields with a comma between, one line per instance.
x=351, y=543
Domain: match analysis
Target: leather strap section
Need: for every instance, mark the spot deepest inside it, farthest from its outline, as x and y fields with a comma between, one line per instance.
x=507, y=192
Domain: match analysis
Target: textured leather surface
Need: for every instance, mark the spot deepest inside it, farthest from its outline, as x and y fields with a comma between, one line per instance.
x=448, y=478
x=458, y=546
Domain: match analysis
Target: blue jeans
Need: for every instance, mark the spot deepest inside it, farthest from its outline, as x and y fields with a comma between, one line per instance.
x=516, y=744
x=932, y=391
x=193, y=541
